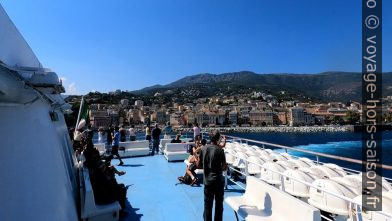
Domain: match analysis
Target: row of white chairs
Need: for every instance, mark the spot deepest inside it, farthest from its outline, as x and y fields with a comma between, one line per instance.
x=264, y=163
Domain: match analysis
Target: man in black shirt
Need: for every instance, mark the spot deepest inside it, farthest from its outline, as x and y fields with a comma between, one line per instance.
x=177, y=139
x=156, y=133
x=213, y=161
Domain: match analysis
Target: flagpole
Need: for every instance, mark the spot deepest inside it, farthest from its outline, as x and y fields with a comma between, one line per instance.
x=80, y=110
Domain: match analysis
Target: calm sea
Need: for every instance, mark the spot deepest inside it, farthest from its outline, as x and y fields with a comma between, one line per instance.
x=345, y=144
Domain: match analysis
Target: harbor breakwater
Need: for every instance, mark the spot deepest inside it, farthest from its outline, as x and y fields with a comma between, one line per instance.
x=303, y=129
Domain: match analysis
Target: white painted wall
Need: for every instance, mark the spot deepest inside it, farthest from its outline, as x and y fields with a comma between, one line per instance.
x=37, y=179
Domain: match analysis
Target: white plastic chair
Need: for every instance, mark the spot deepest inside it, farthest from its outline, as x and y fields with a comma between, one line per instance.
x=254, y=163
x=240, y=159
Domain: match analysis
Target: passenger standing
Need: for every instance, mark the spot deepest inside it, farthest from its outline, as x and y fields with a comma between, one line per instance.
x=101, y=133
x=132, y=133
x=148, y=132
x=109, y=135
x=196, y=131
x=156, y=133
x=77, y=145
x=115, y=144
x=89, y=133
x=213, y=161
x=123, y=134
x=167, y=130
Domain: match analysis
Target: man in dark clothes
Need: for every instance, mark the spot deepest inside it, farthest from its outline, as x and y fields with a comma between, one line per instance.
x=177, y=139
x=156, y=133
x=90, y=133
x=213, y=161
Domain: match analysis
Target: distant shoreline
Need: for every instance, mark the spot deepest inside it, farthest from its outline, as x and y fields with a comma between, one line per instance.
x=284, y=129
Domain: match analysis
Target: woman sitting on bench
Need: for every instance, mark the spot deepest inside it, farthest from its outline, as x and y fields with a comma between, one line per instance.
x=190, y=175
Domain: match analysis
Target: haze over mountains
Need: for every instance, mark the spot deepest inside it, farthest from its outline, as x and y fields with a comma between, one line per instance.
x=326, y=86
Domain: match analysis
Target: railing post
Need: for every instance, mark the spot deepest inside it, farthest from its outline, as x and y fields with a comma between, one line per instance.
x=226, y=178
x=358, y=211
x=246, y=167
x=286, y=150
x=317, y=160
x=263, y=147
x=281, y=182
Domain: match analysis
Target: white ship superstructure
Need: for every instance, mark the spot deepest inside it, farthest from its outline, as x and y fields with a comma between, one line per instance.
x=37, y=173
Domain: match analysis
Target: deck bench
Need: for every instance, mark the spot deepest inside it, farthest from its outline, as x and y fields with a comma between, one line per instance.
x=262, y=201
x=163, y=143
x=176, y=151
x=101, y=147
x=89, y=209
x=134, y=148
x=128, y=149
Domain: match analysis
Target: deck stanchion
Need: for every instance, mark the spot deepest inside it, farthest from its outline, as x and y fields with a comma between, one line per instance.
x=358, y=211
x=226, y=178
x=282, y=183
x=246, y=167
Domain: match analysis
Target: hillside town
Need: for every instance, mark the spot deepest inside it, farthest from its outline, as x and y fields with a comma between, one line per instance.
x=257, y=109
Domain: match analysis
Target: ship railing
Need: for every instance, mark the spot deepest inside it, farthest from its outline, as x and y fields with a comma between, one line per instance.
x=353, y=204
x=315, y=154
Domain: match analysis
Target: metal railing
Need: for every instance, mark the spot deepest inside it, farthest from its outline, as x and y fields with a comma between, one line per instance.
x=352, y=204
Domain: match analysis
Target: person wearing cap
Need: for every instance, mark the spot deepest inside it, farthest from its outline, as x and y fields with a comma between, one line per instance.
x=213, y=161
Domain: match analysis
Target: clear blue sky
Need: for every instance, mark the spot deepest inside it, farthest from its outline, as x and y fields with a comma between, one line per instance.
x=130, y=44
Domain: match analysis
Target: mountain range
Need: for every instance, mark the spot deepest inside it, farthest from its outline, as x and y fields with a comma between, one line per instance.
x=326, y=86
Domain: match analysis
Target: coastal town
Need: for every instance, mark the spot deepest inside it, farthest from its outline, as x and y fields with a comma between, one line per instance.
x=235, y=112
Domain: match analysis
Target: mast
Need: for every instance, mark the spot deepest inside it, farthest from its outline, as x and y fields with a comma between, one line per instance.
x=80, y=110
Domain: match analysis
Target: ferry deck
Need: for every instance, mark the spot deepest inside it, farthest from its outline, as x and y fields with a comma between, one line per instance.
x=154, y=192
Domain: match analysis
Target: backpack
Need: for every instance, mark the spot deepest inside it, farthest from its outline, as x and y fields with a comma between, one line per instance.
x=187, y=179
x=189, y=149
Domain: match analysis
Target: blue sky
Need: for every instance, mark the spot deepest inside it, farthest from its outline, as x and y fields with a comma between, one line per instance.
x=127, y=44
